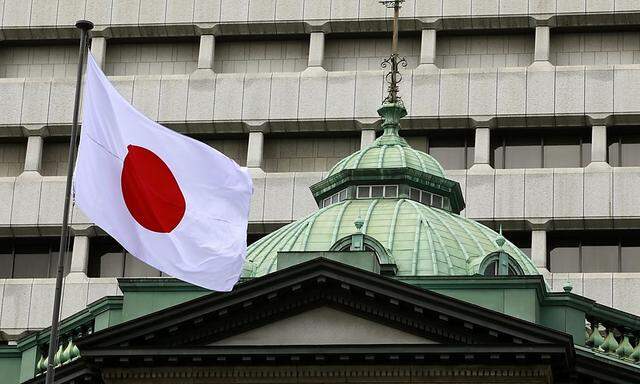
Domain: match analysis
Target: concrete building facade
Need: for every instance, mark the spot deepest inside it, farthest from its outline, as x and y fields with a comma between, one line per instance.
x=532, y=106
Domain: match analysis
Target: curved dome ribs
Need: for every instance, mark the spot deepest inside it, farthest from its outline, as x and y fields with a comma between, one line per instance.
x=336, y=225
x=424, y=233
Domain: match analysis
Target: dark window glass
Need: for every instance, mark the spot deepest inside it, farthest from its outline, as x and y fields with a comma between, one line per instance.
x=437, y=201
x=523, y=151
x=521, y=239
x=363, y=192
x=414, y=194
x=449, y=151
x=562, y=151
x=425, y=198
x=624, y=146
x=600, y=258
x=630, y=258
x=32, y=258
x=594, y=251
x=548, y=148
x=343, y=194
x=391, y=191
x=630, y=150
x=453, y=149
x=376, y=191
x=564, y=256
x=491, y=269
x=6, y=260
x=334, y=198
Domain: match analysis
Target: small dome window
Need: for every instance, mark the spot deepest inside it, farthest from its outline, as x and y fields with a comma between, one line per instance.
x=335, y=198
x=500, y=264
x=377, y=191
x=428, y=198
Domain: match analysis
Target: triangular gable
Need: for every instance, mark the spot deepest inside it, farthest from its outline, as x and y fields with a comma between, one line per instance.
x=323, y=326
x=270, y=299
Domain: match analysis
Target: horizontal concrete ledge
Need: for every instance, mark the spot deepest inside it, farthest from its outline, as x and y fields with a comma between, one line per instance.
x=27, y=303
x=448, y=98
x=33, y=19
x=564, y=198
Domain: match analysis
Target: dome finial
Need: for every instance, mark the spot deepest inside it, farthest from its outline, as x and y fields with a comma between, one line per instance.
x=392, y=109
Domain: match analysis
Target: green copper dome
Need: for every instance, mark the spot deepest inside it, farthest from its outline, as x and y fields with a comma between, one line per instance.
x=421, y=240
x=400, y=199
x=389, y=150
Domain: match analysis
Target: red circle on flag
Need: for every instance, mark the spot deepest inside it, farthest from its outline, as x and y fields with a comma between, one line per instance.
x=150, y=191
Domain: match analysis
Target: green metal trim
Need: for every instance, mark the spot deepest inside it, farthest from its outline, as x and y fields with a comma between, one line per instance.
x=381, y=155
x=423, y=167
x=403, y=159
x=404, y=175
x=416, y=246
x=457, y=219
x=369, y=212
x=336, y=225
x=453, y=235
x=394, y=220
x=438, y=239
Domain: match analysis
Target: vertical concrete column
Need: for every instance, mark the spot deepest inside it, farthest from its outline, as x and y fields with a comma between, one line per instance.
x=367, y=137
x=482, y=150
x=428, y=47
x=99, y=49
x=33, y=157
x=79, y=255
x=542, y=45
x=206, y=53
x=539, y=248
x=316, y=49
x=255, y=149
x=599, y=143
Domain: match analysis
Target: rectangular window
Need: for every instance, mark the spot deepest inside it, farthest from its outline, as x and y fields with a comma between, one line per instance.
x=425, y=198
x=343, y=195
x=414, y=194
x=391, y=191
x=549, y=148
x=31, y=257
x=363, y=192
x=437, y=201
x=376, y=191
x=594, y=251
x=453, y=149
x=334, y=198
x=624, y=147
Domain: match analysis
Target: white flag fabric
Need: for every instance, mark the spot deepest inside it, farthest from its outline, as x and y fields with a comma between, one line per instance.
x=171, y=201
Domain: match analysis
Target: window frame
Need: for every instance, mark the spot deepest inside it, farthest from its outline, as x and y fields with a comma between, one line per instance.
x=499, y=140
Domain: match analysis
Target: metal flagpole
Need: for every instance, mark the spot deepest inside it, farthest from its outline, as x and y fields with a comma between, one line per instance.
x=84, y=26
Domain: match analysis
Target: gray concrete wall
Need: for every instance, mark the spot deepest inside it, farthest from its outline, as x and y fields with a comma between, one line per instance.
x=366, y=54
x=125, y=59
x=261, y=56
x=306, y=154
x=484, y=51
x=439, y=99
x=39, y=61
x=595, y=48
x=12, y=156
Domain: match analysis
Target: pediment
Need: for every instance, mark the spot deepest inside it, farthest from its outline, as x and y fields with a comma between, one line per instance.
x=321, y=302
x=323, y=326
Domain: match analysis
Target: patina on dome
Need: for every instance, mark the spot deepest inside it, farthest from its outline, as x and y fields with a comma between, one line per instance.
x=390, y=150
x=420, y=238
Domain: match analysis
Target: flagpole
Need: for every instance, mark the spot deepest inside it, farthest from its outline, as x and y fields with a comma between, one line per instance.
x=84, y=26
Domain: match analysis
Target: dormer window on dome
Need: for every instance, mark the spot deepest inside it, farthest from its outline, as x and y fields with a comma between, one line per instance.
x=500, y=263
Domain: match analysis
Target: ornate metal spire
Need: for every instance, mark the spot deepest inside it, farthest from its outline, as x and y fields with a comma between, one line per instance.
x=393, y=77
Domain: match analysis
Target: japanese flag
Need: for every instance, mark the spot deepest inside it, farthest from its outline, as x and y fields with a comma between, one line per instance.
x=171, y=201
